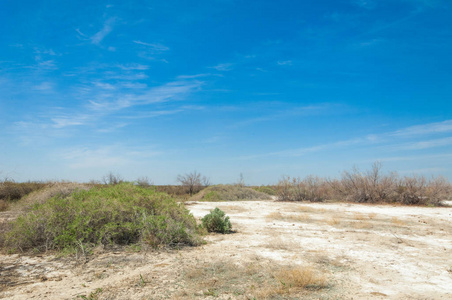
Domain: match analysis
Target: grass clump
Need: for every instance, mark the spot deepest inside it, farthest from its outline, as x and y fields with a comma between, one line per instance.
x=229, y=193
x=217, y=221
x=119, y=214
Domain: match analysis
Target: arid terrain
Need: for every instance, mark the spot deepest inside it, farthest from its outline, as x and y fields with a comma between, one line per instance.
x=351, y=251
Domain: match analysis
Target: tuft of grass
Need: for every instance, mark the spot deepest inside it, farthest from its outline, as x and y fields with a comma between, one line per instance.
x=299, y=278
x=396, y=221
x=229, y=193
x=121, y=214
x=333, y=221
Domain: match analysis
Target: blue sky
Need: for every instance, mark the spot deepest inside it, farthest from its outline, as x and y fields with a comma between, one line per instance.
x=263, y=88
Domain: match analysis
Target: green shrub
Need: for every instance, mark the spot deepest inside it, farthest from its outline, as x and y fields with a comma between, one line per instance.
x=216, y=221
x=119, y=214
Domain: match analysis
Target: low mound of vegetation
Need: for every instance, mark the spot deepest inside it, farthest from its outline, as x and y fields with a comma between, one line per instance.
x=11, y=191
x=229, y=193
x=120, y=214
x=61, y=189
x=267, y=189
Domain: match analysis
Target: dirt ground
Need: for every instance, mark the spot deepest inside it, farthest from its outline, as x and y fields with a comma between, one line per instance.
x=361, y=251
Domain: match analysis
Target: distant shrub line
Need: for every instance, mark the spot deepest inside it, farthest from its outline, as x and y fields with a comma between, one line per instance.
x=367, y=187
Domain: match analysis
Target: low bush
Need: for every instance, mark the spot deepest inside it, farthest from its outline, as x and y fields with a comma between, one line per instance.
x=11, y=191
x=216, y=221
x=111, y=215
x=229, y=193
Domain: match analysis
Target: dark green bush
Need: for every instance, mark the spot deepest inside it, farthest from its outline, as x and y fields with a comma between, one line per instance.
x=216, y=221
x=117, y=214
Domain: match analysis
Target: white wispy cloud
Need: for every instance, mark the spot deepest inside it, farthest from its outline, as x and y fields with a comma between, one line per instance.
x=389, y=141
x=45, y=86
x=129, y=67
x=97, y=38
x=105, y=86
x=197, y=76
x=419, y=145
x=70, y=120
x=223, y=67
x=430, y=128
x=284, y=62
x=172, y=91
x=111, y=156
x=153, y=46
x=367, y=4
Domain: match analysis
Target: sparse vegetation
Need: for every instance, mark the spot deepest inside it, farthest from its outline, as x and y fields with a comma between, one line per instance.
x=267, y=189
x=367, y=187
x=229, y=193
x=193, y=182
x=311, y=188
x=113, y=215
x=230, y=279
x=112, y=179
x=11, y=191
x=217, y=221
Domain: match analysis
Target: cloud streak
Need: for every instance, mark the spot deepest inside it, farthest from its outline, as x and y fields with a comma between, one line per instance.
x=97, y=38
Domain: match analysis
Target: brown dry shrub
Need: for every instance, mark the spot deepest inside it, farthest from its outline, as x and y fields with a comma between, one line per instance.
x=12, y=191
x=311, y=188
x=300, y=278
x=3, y=205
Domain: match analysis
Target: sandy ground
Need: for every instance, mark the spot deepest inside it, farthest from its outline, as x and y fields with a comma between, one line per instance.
x=365, y=251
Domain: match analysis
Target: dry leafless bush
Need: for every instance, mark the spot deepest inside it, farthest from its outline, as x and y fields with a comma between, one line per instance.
x=374, y=187
x=366, y=187
x=193, y=182
x=311, y=188
x=112, y=179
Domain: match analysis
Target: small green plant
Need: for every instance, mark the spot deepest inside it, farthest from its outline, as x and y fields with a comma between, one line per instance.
x=92, y=296
x=217, y=221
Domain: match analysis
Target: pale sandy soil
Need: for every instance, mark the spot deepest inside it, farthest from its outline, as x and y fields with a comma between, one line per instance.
x=365, y=252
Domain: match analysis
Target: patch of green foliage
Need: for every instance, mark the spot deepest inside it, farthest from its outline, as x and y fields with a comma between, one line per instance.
x=120, y=214
x=229, y=193
x=269, y=190
x=217, y=221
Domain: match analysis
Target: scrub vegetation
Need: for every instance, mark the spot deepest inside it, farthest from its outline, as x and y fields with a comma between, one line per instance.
x=120, y=214
x=371, y=186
